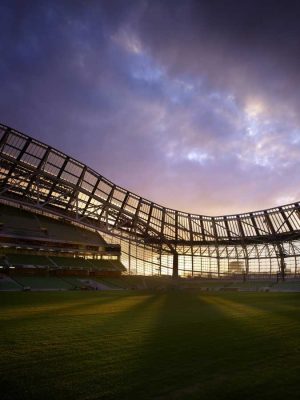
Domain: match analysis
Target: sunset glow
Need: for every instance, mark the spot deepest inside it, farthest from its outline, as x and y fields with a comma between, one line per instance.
x=151, y=94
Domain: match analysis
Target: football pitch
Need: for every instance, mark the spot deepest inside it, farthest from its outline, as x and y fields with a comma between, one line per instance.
x=146, y=345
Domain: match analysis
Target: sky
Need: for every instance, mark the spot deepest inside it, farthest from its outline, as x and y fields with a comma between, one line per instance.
x=191, y=104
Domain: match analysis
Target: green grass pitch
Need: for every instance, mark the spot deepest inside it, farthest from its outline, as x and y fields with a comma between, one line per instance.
x=142, y=345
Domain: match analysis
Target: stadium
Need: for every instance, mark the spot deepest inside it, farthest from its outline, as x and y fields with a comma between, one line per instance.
x=142, y=285
x=41, y=187
x=149, y=200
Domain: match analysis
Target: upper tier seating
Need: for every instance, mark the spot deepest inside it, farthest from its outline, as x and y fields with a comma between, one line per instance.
x=18, y=222
x=15, y=221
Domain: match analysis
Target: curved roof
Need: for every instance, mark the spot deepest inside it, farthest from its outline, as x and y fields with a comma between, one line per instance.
x=39, y=176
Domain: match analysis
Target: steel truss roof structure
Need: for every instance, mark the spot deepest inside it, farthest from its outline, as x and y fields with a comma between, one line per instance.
x=42, y=178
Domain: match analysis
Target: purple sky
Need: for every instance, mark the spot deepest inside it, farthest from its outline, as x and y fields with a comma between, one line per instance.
x=192, y=104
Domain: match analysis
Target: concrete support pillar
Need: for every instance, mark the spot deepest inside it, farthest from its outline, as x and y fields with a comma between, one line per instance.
x=175, y=265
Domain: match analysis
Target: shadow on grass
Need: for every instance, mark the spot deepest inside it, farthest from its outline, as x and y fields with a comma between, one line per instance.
x=157, y=346
x=85, y=354
x=34, y=309
x=209, y=346
x=281, y=306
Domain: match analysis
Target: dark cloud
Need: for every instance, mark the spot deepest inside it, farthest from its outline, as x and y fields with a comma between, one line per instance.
x=193, y=104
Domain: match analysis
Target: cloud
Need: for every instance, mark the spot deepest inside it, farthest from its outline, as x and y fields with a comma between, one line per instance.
x=191, y=104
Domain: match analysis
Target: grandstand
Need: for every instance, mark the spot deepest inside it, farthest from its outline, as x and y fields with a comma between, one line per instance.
x=21, y=223
x=37, y=252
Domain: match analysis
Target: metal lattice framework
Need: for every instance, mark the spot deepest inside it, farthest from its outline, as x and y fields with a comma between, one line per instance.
x=154, y=239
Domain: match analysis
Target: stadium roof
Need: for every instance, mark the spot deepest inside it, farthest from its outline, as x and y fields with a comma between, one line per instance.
x=42, y=177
